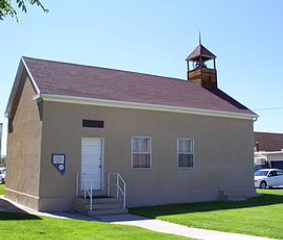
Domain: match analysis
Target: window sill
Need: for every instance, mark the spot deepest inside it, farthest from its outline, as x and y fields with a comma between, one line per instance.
x=185, y=168
x=141, y=169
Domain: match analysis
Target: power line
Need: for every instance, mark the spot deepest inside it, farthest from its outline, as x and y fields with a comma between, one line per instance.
x=267, y=109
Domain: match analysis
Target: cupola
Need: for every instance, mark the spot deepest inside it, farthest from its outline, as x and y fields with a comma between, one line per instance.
x=202, y=67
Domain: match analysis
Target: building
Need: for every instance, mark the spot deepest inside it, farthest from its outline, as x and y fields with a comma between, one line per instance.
x=269, y=142
x=268, y=150
x=76, y=130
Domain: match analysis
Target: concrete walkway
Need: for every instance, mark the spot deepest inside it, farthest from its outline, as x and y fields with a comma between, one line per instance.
x=172, y=228
x=6, y=205
x=133, y=220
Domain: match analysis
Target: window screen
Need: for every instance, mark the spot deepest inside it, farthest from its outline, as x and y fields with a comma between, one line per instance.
x=141, y=152
x=185, y=152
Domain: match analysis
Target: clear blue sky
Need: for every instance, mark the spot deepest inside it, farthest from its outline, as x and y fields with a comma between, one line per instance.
x=155, y=37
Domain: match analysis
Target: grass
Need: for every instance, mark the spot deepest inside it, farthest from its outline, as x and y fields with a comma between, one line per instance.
x=261, y=216
x=15, y=226
x=2, y=189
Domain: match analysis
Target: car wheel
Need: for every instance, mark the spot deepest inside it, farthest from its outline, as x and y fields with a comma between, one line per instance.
x=1, y=181
x=263, y=185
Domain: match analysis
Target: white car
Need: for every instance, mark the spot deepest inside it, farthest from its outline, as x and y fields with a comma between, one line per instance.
x=2, y=175
x=268, y=178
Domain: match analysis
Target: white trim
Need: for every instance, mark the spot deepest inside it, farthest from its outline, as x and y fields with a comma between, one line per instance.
x=17, y=81
x=150, y=153
x=142, y=106
x=102, y=163
x=21, y=193
x=271, y=153
x=193, y=152
x=14, y=90
x=31, y=77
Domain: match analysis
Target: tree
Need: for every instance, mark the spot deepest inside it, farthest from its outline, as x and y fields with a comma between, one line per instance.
x=6, y=8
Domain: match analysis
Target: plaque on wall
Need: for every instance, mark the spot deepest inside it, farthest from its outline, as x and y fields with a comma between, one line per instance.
x=59, y=162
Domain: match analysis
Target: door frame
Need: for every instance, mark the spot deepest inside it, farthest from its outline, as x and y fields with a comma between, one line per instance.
x=102, y=149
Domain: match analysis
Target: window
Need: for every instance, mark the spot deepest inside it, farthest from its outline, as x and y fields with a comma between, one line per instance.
x=141, y=152
x=185, y=152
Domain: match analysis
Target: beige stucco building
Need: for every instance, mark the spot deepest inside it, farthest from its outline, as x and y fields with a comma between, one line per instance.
x=164, y=140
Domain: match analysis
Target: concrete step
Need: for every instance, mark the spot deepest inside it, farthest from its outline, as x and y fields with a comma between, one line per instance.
x=99, y=200
x=105, y=206
x=236, y=198
x=107, y=211
x=101, y=205
x=106, y=200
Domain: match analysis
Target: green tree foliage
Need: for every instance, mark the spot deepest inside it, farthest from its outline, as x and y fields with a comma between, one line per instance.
x=7, y=8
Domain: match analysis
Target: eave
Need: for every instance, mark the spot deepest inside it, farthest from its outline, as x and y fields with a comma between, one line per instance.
x=21, y=68
x=142, y=106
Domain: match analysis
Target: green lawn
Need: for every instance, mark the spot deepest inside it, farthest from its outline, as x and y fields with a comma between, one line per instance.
x=2, y=189
x=15, y=226
x=262, y=216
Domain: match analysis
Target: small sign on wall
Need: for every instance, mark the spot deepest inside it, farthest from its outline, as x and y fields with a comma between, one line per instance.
x=59, y=162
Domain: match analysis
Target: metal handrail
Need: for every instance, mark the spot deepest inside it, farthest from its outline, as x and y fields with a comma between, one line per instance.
x=85, y=179
x=119, y=189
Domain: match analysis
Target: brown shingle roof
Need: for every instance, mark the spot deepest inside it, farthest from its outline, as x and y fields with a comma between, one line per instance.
x=67, y=79
x=200, y=50
x=268, y=141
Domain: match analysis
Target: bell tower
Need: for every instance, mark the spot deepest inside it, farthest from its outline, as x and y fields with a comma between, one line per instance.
x=202, y=67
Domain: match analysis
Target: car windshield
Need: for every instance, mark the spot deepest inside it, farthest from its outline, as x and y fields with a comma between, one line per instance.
x=261, y=173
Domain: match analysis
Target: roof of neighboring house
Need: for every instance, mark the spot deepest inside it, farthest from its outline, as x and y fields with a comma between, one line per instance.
x=265, y=141
x=65, y=79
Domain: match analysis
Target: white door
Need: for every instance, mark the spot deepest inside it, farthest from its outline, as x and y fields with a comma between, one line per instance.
x=92, y=160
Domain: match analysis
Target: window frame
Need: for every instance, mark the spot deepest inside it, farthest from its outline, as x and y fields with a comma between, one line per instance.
x=193, y=151
x=132, y=154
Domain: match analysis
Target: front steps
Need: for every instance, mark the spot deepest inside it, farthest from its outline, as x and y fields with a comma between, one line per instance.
x=104, y=201
x=101, y=205
x=231, y=196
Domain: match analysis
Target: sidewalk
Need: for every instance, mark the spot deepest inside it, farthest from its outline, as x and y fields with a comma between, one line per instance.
x=133, y=220
x=176, y=229
x=7, y=205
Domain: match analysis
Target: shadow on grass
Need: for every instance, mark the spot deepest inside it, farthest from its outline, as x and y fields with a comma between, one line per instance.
x=8, y=216
x=9, y=211
x=172, y=209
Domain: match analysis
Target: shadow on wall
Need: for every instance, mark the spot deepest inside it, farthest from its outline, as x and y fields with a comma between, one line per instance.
x=171, y=209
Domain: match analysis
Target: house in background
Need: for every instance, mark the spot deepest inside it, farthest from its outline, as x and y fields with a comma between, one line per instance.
x=79, y=131
x=268, y=149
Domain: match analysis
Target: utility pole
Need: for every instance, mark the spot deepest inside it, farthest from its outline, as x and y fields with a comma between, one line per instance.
x=1, y=125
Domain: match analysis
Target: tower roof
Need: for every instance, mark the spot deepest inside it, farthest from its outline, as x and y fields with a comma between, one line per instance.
x=200, y=51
